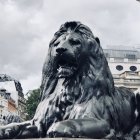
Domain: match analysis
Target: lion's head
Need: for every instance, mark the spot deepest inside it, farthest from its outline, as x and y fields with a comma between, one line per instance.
x=76, y=55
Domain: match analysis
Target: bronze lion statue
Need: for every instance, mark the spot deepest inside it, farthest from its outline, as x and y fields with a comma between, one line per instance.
x=79, y=98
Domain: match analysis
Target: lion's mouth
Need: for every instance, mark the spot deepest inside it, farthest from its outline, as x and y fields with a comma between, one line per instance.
x=66, y=68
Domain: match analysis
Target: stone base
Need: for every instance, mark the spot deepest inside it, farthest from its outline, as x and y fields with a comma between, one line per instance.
x=60, y=139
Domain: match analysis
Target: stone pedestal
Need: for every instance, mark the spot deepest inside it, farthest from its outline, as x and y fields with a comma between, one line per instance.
x=60, y=139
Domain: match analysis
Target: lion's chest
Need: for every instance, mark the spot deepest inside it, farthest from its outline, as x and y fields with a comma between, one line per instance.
x=53, y=107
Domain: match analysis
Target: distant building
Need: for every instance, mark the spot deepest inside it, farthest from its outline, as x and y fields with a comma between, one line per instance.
x=13, y=87
x=128, y=79
x=7, y=104
x=22, y=107
x=125, y=67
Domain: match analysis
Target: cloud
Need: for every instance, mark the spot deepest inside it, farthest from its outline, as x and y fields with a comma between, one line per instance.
x=27, y=26
x=31, y=82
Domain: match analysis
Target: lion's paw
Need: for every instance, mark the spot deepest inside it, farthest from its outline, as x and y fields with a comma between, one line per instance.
x=1, y=133
x=5, y=133
x=60, y=129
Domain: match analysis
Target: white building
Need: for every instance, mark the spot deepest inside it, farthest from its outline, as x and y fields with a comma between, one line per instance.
x=7, y=104
x=10, y=87
x=14, y=88
x=125, y=67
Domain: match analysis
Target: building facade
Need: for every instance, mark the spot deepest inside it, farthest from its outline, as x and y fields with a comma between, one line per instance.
x=7, y=104
x=17, y=103
x=125, y=67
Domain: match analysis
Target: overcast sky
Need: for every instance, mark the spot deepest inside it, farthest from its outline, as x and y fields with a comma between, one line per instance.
x=27, y=26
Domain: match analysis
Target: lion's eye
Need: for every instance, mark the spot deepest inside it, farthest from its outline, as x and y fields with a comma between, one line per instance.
x=74, y=41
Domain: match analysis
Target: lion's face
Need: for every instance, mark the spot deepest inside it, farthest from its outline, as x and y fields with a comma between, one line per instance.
x=69, y=49
x=66, y=50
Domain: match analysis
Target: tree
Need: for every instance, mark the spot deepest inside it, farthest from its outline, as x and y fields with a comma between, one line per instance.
x=32, y=102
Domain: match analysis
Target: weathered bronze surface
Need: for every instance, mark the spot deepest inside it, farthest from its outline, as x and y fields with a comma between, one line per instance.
x=78, y=94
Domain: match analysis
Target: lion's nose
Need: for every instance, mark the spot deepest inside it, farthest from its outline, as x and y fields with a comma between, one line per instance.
x=60, y=50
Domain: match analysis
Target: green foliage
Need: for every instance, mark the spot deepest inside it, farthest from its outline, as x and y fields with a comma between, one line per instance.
x=32, y=102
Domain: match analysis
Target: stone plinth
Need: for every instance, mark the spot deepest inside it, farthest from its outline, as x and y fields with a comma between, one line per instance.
x=60, y=139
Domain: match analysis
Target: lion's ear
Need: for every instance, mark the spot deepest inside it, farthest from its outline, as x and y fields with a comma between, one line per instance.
x=97, y=40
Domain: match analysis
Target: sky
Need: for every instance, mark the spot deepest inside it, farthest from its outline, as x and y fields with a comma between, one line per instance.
x=27, y=26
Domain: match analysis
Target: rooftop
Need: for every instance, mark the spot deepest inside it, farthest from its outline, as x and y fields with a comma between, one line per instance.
x=4, y=78
x=117, y=53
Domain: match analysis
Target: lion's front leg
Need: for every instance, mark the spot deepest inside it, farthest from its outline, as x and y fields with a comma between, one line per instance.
x=62, y=129
x=81, y=128
x=18, y=130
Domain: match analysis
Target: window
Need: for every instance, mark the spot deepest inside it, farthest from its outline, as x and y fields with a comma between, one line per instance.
x=131, y=56
x=133, y=68
x=119, y=67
